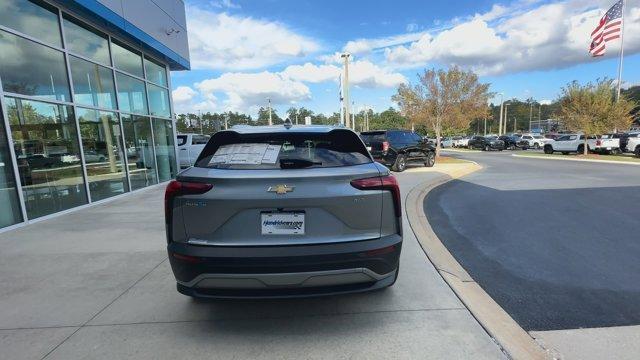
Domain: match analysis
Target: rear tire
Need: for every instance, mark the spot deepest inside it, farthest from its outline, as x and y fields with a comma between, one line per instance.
x=431, y=159
x=580, y=149
x=548, y=149
x=637, y=151
x=401, y=163
x=536, y=146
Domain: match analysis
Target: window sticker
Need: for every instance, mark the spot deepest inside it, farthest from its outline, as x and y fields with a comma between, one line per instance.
x=249, y=154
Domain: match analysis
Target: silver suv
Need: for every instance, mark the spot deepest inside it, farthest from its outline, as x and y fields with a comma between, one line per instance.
x=279, y=212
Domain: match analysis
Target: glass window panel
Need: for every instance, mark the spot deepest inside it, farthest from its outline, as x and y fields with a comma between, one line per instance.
x=165, y=150
x=155, y=72
x=92, y=84
x=48, y=154
x=139, y=147
x=132, y=96
x=126, y=59
x=159, y=101
x=86, y=41
x=29, y=68
x=32, y=18
x=103, y=153
x=9, y=202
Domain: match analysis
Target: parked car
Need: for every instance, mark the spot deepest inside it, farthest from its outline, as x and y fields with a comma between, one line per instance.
x=624, y=140
x=512, y=142
x=91, y=156
x=463, y=142
x=536, y=141
x=189, y=147
x=319, y=217
x=633, y=143
x=446, y=142
x=569, y=143
x=486, y=143
x=397, y=148
x=607, y=144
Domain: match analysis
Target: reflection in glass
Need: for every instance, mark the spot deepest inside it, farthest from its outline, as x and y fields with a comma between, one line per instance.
x=29, y=68
x=139, y=148
x=165, y=151
x=39, y=21
x=159, y=101
x=92, y=84
x=48, y=155
x=103, y=153
x=127, y=60
x=132, y=96
x=155, y=72
x=86, y=41
x=9, y=202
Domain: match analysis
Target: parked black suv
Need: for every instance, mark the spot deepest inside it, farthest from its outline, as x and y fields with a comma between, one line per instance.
x=512, y=142
x=397, y=148
x=486, y=143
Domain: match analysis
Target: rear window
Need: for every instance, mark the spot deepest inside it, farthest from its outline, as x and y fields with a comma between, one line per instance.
x=231, y=150
x=182, y=140
x=368, y=138
x=403, y=137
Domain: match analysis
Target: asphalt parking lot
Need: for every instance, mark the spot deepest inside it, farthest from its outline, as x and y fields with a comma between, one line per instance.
x=555, y=243
x=95, y=284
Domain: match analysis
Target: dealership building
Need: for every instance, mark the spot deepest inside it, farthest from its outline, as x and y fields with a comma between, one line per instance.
x=86, y=111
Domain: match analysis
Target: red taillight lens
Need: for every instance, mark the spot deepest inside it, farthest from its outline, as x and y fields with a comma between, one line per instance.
x=385, y=146
x=388, y=182
x=177, y=188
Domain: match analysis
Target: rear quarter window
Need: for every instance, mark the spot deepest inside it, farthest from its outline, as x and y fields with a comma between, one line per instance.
x=182, y=140
x=265, y=151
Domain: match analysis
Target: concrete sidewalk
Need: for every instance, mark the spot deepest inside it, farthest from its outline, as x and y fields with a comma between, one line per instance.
x=96, y=284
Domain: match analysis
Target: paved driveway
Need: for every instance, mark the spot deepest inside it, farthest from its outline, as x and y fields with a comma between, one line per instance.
x=555, y=243
x=95, y=284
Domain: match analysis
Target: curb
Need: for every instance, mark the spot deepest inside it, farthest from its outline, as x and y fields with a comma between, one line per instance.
x=514, y=340
x=579, y=160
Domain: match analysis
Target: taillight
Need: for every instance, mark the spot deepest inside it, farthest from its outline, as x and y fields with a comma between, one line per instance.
x=177, y=188
x=599, y=142
x=385, y=146
x=388, y=182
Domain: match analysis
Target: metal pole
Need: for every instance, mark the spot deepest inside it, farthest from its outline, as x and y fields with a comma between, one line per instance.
x=485, y=126
x=270, y=121
x=514, y=124
x=504, y=126
x=347, y=110
x=530, y=115
x=621, y=52
x=501, y=112
x=200, y=121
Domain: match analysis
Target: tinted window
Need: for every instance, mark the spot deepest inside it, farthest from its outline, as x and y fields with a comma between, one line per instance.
x=158, y=101
x=373, y=137
x=85, y=41
x=132, y=96
x=126, y=59
x=200, y=140
x=92, y=84
x=268, y=151
x=182, y=140
x=402, y=137
x=155, y=72
x=32, y=18
x=29, y=68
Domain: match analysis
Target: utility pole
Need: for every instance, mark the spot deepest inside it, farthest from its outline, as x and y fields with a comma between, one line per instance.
x=485, y=126
x=503, y=128
x=345, y=89
x=353, y=118
x=200, y=121
x=226, y=122
x=514, y=124
x=270, y=121
x=530, y=115
x=501, y=112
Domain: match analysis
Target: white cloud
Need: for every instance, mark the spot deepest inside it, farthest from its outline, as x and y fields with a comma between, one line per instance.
x=183, y=94
x=227, y=42
x=312, y=73
x=363, y=46
x=544, y=37
x=546, y=102
x=246, y=92
x=362, y=73
x=225, y=4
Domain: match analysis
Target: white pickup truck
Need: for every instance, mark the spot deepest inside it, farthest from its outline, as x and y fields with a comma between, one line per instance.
x=607, y=144
x=633, y=143
x=569, y=143
x=189, y=148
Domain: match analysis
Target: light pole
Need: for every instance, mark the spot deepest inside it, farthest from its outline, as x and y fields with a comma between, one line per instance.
x=345, y=89
x=501, y=111
x=270, y=121
x=506, y=110
x=200, y=121
x=530, y=114
x=485, y=126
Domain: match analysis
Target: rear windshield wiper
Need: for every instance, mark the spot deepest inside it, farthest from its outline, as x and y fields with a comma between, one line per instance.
x=297, y=163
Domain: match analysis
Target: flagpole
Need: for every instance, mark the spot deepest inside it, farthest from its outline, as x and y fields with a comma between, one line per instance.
x=621, y=52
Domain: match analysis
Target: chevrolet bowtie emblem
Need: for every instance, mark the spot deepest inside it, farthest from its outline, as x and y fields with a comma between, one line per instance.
x=281, y=189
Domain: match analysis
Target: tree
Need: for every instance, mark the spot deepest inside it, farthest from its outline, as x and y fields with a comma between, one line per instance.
x=592, y=108
x=445, y=100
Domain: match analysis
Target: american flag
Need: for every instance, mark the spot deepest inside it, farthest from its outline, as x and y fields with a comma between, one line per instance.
x=609, y=28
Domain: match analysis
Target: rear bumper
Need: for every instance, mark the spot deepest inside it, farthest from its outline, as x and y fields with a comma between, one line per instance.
x=285, y=271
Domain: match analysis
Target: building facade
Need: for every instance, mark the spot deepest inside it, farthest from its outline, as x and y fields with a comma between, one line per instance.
x=85, y=100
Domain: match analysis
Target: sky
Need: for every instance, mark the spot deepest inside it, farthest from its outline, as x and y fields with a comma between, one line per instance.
x=246, y=51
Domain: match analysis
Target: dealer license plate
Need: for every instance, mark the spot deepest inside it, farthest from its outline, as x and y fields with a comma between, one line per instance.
x=282, y=223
